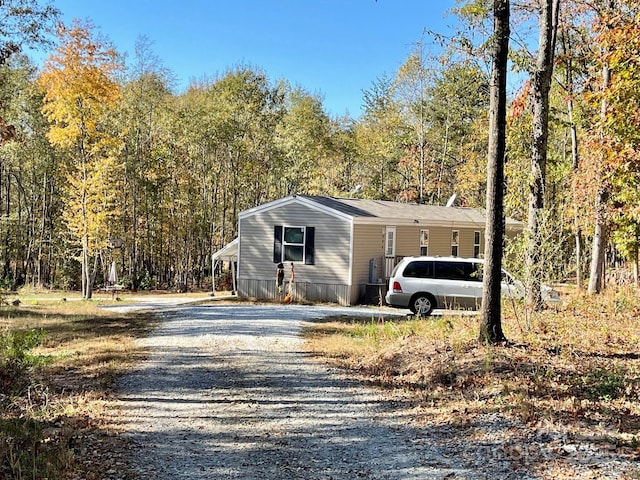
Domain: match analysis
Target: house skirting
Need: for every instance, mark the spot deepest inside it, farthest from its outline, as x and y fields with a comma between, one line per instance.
x=301, y=291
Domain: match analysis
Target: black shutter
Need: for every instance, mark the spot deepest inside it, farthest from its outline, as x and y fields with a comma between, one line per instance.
x=277, y=244
x=309, y=246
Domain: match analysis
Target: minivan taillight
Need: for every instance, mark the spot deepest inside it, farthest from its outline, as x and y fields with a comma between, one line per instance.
x=397, y=288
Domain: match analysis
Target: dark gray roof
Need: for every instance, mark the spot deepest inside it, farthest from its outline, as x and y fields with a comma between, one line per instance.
x=383, y=209
x=343, y=205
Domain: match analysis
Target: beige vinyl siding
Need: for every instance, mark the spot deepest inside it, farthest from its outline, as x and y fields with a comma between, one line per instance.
x=408, y=240
x=439, y=241
x=466, y=242
x=368, y=244
x=331, y=251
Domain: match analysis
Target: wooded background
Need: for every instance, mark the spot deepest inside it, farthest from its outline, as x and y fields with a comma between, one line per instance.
x=103, y=160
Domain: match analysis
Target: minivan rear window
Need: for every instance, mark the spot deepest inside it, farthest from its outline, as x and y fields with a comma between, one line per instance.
x=419, y=269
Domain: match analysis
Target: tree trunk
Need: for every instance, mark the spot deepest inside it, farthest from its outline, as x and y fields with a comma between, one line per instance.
x=576, y=164
x=445, y=152
x=599, y=244
x=541, y=85
x=578, y=240
x=7, y=232
x=43, y=216
x=92, y=277
x=134, y=240
x=422, y=151
x=575, y=158
x=636, y=281
x=600, y=232
x=85, y=269
x=491, y=322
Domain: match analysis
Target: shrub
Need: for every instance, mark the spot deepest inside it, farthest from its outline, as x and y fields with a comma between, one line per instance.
x=16, y=359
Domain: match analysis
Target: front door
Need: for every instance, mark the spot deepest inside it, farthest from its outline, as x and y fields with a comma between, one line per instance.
x=389, y=250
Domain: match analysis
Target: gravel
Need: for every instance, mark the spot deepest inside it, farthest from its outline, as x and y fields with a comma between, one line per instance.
x=227, y=392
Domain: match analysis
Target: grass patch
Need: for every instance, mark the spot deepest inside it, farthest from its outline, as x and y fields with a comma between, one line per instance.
x=59, y=361
x=576, y=369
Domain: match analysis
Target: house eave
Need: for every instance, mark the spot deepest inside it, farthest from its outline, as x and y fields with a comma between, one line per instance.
x=515, y=226
x=293, y=200
x=416, y=222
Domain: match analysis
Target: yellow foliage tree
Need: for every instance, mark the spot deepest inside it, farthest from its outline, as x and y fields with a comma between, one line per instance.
x=80, y=88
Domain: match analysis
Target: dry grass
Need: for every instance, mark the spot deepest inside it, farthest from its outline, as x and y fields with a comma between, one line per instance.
x=52, y=412
x=574, y=369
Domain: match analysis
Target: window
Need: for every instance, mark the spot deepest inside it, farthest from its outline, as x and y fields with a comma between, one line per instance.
x=476, y=244
x=476, y=271
x=294, y=244
x=419, y=269
x=455, y=242
x=424, y=242
x=465, y=271
x=450, y=271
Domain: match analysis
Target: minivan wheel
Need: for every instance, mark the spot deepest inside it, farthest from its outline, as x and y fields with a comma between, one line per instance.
x=422, y=305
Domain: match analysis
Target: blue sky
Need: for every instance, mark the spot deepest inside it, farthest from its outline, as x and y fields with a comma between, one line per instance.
x=335, y=48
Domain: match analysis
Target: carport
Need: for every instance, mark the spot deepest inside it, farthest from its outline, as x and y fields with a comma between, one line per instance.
x=228, y=253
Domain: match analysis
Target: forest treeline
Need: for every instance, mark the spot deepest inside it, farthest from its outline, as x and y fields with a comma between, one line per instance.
x=102, y=160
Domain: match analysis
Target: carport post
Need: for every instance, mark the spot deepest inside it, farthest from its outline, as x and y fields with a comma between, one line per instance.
x=213, y=276
x=233, y=277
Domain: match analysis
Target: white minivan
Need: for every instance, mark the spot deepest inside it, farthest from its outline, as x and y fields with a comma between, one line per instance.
x=424, y=283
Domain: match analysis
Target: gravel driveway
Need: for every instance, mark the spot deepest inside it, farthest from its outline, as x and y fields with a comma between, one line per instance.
x=228, y=393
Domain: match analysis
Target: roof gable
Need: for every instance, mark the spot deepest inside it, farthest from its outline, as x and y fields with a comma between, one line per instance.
x=297, y=199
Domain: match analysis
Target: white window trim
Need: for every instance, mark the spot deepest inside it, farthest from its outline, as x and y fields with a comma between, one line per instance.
x=456, y=243
x=390, y=230
x=285, y=243
x=479, y=244
x=457, y=237
x=422, y=243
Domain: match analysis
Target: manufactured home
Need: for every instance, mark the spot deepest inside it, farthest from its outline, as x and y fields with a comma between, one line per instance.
x=343, y=250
